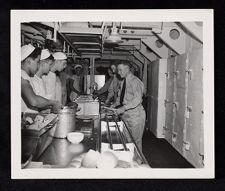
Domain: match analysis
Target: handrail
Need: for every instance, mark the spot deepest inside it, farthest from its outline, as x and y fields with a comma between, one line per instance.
x=109, y=134
x=132, y=139
x=121, y=136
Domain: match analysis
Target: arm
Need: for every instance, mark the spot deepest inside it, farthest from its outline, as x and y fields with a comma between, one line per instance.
x=117, y=103
x=110, y=91
x=105, y=88
x=33, y=100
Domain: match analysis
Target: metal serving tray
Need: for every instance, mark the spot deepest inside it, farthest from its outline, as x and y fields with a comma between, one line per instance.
x=33, y=140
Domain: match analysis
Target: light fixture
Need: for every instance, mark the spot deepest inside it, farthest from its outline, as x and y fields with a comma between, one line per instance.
x=114, y=37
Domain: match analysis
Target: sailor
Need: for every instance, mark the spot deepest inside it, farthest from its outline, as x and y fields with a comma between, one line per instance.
x=76, y=82
x=30, y=57
x=52, y=81
x=113, y=87
x=37, y=83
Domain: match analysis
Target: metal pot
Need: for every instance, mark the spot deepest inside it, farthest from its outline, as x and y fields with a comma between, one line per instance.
x=66, y=122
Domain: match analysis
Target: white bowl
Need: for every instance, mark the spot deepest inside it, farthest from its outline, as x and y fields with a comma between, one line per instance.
x=75, y=137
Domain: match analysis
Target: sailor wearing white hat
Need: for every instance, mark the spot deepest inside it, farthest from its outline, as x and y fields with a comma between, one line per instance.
x=52, y=83
x=77, y=66
x=37, y=83
x=26, y=50
x=76, y=82
x=30, y=57
x=30, y=60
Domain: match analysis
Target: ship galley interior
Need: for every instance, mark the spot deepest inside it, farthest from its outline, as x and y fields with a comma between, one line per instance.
x=112, y=95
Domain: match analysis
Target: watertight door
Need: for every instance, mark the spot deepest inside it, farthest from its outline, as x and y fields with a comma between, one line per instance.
x=193, y=150
x=179, y=105
x=168, y=128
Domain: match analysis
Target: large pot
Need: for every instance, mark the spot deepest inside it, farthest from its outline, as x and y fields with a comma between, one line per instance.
x=66, y=123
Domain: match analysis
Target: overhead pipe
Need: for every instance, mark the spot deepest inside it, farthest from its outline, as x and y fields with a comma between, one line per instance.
x=68, y=49
x=64, y=46
x=63, y=36
x=55, y=31
x=103, y=35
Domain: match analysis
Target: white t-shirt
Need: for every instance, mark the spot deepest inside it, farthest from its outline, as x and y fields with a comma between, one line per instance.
x=38, y=86
x=58, y=90
x=50, y=85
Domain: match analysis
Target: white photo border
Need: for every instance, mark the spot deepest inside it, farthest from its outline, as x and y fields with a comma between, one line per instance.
x=145, y=15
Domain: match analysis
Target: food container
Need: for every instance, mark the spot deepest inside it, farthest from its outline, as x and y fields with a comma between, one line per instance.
x=66, y=123
x=88, y=107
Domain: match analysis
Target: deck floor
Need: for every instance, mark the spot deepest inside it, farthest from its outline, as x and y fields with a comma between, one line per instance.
x=160, y=154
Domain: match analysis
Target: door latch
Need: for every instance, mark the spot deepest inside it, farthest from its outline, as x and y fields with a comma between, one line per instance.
x=190, y=73
x=166, y=101
x=188, y=111
x=201, y=159
x=177, y=74
x=174, y=137
x=164, y=129
x=187, y=145
x=167, y=75
x=176, y=105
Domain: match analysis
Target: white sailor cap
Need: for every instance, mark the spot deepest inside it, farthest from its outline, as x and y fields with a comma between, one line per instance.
x=26, y=50
x=45, y=54
x=59, y=56
x=77, y=66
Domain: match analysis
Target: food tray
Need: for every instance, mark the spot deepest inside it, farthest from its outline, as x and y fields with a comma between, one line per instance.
x=34, y=142
x=41, y=131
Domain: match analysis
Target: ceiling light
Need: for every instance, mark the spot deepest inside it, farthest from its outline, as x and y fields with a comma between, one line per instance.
x=114, y=37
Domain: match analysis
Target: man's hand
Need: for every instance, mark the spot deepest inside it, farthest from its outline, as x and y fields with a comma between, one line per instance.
x=120, y=110
x=95, y=94
x=46, y=111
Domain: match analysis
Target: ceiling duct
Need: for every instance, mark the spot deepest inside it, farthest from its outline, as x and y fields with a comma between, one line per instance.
x=114, y=37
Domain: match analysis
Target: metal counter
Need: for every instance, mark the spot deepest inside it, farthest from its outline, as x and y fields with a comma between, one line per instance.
x=58, y=152
x=61, y=152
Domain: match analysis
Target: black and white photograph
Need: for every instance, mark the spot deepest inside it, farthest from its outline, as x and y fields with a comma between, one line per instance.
x=112, y=94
